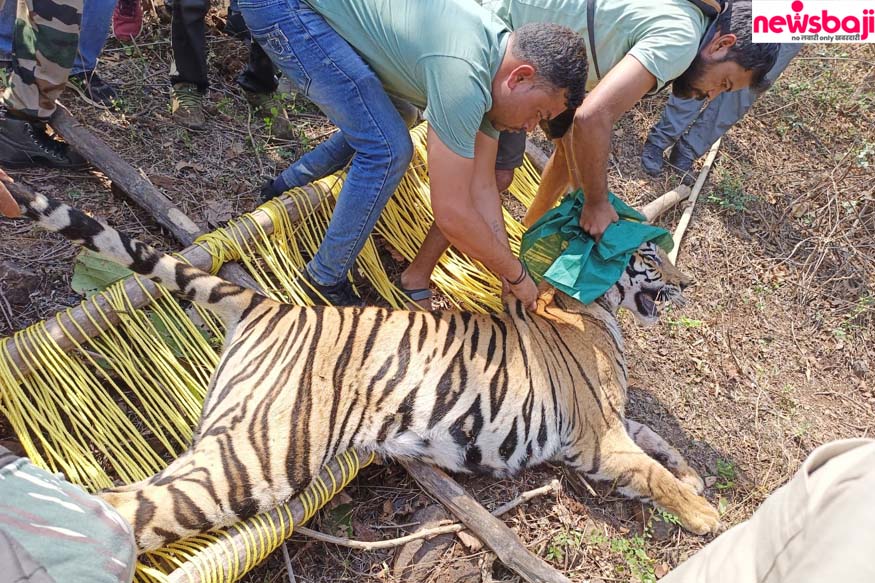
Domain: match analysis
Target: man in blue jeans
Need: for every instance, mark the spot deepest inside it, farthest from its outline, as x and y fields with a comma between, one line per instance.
x=470, y=74
x=83, y=79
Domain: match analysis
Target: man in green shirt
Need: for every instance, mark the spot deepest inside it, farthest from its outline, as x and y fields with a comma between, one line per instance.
x=470, y=74
x=637, y=47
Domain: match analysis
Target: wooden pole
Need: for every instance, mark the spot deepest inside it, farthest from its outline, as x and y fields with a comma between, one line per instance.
x=492, y=531
x=536, y=156
x=688, y=212
x=140, y=290
x=655, y=208
x=125, y=177
x=139, y=188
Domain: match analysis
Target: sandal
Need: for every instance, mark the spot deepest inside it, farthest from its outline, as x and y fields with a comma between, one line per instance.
x=416, y=295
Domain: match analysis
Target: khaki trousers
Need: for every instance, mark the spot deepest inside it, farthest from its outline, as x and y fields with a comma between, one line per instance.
x=818, y=528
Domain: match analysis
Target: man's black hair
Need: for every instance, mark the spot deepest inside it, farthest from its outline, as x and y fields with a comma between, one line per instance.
x=736, y=18
x=558, y=55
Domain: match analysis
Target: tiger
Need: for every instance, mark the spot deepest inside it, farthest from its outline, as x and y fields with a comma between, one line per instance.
x=489, y=393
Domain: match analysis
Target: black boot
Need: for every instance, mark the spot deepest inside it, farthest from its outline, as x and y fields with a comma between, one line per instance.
x=651, y=158
x=339, y=294
x=681, y=159
x=24, y=144
x=269, y=191
x=235, y=25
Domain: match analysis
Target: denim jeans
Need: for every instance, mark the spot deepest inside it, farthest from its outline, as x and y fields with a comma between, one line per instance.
x=325, y=68
x=96, y=16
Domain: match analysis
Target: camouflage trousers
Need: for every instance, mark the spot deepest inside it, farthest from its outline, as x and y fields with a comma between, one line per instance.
x=52, y=531
x=43, y=48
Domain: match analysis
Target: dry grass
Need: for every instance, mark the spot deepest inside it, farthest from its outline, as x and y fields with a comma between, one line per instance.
x=772, y=356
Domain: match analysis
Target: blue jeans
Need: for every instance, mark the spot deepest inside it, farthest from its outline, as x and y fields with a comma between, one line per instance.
x=323, y=67
x=96, y=17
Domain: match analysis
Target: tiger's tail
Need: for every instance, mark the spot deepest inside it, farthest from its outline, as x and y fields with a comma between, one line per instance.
x=227, y=300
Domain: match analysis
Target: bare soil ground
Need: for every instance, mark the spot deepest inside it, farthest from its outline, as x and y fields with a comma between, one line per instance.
x=772, y=356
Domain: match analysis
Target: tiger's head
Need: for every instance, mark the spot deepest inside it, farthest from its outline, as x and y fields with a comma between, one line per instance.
x=650, y=278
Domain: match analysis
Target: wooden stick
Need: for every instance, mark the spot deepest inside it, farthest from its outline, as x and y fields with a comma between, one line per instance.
x=536, y=156
x=139, y=188
x=140, y=291
x=125, y=177
x=688, y=212
x=656, y=208
x=493, y=532
x=553, y=486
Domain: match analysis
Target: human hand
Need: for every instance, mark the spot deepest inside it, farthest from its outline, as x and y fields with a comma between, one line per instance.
x=596, y=216
x=525, y=291
x=8, y=206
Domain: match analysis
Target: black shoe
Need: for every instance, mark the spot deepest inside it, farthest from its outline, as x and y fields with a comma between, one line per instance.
x=681, y=159
x=94, y=90
x=269, y=191
x=651, y=159
x=235, y=25
x=339, y=294
x=24, y=144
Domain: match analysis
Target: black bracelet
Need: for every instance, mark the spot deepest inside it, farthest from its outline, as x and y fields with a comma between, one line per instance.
x=522, y=276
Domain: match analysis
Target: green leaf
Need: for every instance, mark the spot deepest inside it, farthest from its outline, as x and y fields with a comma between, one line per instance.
x=339, y=519
x=92, y=273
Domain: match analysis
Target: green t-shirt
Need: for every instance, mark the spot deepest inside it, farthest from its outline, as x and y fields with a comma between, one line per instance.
x=440, y=55
x=663, y=35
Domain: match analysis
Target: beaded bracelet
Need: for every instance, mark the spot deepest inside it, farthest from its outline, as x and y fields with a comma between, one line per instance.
x=522, y=276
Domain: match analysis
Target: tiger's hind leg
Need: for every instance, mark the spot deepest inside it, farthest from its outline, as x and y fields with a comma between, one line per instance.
x=659, y=449
x=212, y=485
x=637, y=475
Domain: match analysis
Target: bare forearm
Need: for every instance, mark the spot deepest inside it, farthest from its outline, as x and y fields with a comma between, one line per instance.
x=590, y=172
x=487, y=202
x=484, y=241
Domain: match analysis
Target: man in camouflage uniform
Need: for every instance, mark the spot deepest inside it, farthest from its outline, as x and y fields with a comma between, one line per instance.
x=51, y=531
x=45, y=44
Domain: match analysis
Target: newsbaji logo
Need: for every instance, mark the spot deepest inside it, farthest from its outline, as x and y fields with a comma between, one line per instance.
x=814, y=21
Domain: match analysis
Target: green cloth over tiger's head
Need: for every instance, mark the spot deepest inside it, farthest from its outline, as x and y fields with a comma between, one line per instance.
x=558, y=250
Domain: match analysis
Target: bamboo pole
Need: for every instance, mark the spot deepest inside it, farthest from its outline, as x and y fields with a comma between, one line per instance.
x=688, y=212
x=537, y=156
x=656, y=208
x=140, y=290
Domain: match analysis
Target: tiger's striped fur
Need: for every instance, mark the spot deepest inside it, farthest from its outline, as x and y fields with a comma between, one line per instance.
x=491, y=393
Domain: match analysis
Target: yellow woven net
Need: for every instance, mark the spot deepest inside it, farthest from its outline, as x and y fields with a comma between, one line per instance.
x=121, y=405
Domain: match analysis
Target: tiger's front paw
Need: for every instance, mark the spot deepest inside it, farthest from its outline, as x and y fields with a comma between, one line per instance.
x=691, y=478
x=699, y=516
